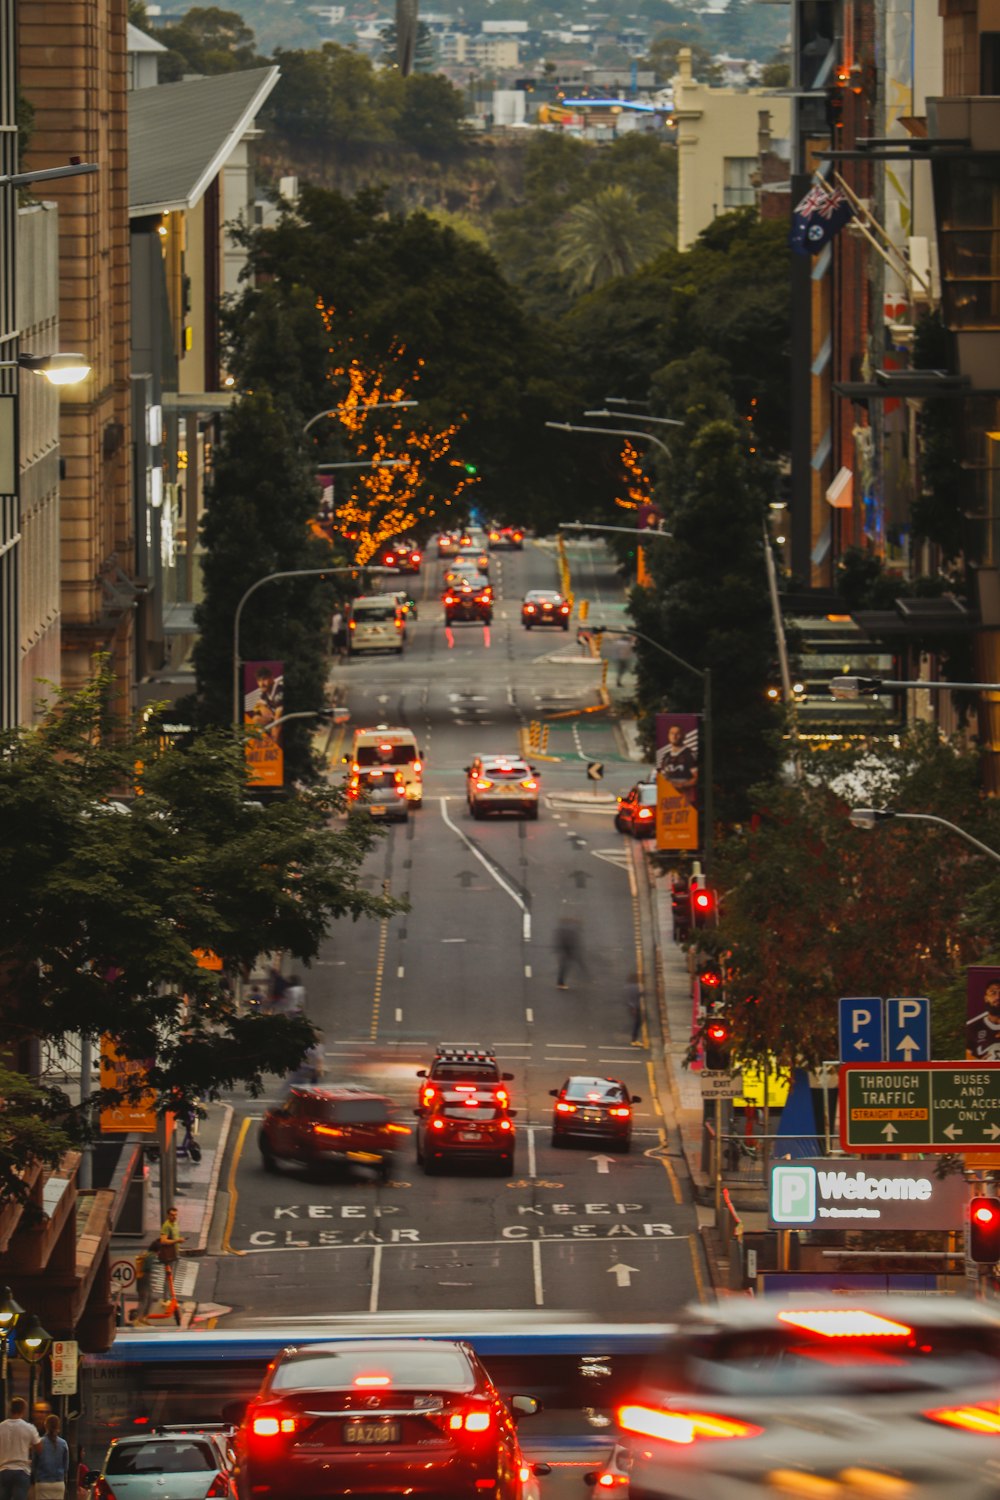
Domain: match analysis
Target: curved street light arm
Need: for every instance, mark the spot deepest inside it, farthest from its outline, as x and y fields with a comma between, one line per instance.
x=334, y=411
x=867, y=817
x=611, y=432
x=637, y=416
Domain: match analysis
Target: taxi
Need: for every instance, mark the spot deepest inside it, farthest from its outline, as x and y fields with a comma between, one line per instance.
x=502, y=783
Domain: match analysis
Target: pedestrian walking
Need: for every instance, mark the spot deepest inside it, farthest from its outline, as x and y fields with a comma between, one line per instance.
x=569, y=951
x=19, y=1441
x=51, y=1466
x=633, y=1004
x=338, y=634
x=146, y=1263
x=294, y=1003
x=622, y=650
x=277, y=984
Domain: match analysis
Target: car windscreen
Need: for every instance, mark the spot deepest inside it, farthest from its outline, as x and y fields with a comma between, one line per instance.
x=160, y=1458
x=391, y=755
x=505, y=773
x=543, y=599
x=647, y=794
x=469, y=1071
x=473, y=1112
x=426, y=1369
x=606, y=1093
x=364, y=614
x=793, y=1362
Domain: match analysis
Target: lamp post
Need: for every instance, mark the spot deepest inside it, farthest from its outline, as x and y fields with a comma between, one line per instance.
x=58, y=369
x=611, y=432
x=32, y=1344
x=636, y=416
x=867, y=817
x=10, y=1311
x=334, y=411
x=847, y=689
x=259, y=583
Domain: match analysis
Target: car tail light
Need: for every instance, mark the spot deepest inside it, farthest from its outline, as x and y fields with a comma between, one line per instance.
x=565, y=1109
x=427, y=1095
x=352, y=624
x=328, y=1130
x=371, y=1381
x=502, y=1097
x=529, y=609
x=682, y=1426
x=103, y=1491
x=645, y=812
x=470, y=1421
x=219, y=1489
x=398, y=1129
x=620, y=1112
x=845, y=1323
x=482, y=785
x=414, y=557
x=389, y=559
x=529, y=785
x=401, y=791
x=607, y=1481
x=449, y=599
x=506, y=1125
x=418, y=767
x=518, y=537
x=564, y=609
x=984, y=1419
x=437, y=1124
x=272, y=1426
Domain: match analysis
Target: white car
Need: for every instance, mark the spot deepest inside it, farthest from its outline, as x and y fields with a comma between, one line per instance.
x=823, y=1396
x=502, y=783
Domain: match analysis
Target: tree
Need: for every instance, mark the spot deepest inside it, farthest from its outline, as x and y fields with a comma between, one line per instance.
x=256, y=522
x=605, y=238
x=206, y=40
x=334, y=99
x=432, y=115
x=123, y=857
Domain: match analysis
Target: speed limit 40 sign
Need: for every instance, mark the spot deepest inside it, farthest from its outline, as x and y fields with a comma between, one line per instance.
x=122, y=1275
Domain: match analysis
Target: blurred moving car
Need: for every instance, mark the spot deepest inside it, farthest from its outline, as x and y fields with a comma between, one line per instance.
x=502, y=783
x=461, y=1065
x=613, y=1475
x=382, y=793
x=509, y=537
x=385, y=1417
x=637, y=810
x=447, y=544
x=465, y=1123
x=544, y=607
x=465, y=570
x=179, y=1464
x=463, y=601
x=591, y=1107
x=842, y=1395
x=403, y=556
x=335, y=1126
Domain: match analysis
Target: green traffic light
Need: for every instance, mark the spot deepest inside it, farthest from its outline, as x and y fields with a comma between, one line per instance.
x=471, y=469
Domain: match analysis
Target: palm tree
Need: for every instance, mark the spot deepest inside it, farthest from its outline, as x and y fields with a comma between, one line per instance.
x=607, y=236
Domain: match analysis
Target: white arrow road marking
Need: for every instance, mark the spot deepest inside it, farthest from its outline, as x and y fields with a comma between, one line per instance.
x=889, y=1131
x=951, y=1131
x=624, y=1273
x=603, y=1162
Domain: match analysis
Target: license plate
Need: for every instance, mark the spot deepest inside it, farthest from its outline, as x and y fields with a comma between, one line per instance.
x=371, y=1432
x=468, y=1135
x=591, y=1116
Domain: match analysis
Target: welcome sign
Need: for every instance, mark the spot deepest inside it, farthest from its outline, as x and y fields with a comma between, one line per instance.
x=837, y=1193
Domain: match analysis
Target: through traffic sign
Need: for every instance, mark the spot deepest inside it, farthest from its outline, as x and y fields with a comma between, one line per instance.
x=936, y=1106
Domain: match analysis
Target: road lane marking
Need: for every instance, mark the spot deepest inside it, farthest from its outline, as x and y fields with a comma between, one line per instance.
x=376, y=1279
x=568, y=1238
x=536, y=1268
x=532, y=1170
x=399, y=1015
x=400, y=972
x=489, y=868
x=529, y=1016
x=383, y=943
x=227, y=1248
x=527, y=971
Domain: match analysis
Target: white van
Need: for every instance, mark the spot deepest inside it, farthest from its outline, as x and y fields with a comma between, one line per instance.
x=386, y=746
x=376, y=623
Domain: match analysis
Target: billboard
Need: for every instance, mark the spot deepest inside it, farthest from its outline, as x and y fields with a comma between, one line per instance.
x=263, y=709
x=834, y=1192
x=123, y=1073
x=678, y=753
x=982, y=1016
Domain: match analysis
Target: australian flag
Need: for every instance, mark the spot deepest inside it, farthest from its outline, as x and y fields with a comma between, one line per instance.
x=822, y=213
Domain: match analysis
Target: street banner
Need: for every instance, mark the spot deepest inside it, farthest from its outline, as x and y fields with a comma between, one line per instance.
x=123, y=1073
x=263, y=708
x=982, y=1025
x=678, y=749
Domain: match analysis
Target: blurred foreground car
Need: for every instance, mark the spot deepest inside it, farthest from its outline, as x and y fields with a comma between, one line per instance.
x=194, y=1465
x=387, y=1417
x=338, y=1126
x=875, y=1396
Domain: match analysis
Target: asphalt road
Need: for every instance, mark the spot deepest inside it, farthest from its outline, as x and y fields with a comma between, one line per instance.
x=608, y=1236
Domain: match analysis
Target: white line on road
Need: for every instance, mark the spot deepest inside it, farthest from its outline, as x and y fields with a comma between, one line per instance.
x=536, y=1266
x=529, y=1016
x=400, y=971
x=526, y=918
x=658, y=1239
x=531, y=1152
x=527, y=971
x=454, y=940
x=376, y=1278
x=399, y=1015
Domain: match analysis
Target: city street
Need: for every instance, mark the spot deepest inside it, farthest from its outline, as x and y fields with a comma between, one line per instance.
x=581, y=1229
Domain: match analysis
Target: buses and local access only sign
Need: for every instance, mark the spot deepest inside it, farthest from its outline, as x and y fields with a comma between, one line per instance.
x=936, y=1106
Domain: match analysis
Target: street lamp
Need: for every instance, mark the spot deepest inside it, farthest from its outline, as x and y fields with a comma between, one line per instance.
x=58, y=369
x=334, y=411
x=637, y=416
x=367, y=463
x=642, y=533
x=32, y=1344
x=611, y=432
x=847, y=689
x=867, y=817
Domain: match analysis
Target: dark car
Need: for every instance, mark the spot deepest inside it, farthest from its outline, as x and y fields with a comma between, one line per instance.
x=463, y=1064
x=382, y=792
x=589, y=1107
x=506, y=536
x=637, y=810
x=544, y=607
x=342, y=1126
x=465, y=1123
x=383, y=1417
x=402, y=557
x=463, y=601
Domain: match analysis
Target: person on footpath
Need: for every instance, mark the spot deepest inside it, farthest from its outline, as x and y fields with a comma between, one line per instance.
x=19, y=1442
x=633, y=1002
x=145, y=1262
x=51, y=1468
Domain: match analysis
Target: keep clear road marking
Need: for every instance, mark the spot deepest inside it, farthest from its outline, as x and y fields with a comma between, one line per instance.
x=488, y=867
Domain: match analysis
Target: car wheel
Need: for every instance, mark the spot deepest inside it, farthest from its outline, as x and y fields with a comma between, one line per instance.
x=624, y=1145
x=268, y=1160
x=555, y=1139
x=475, y=810
x=566, y=625
x=526, y=624
x=417, y=802
x=430, y=1166
x=531, y=813
x=487, y=619
x=399, y=650
x=384, y=1169
x=505, y=1166
x=618, y=823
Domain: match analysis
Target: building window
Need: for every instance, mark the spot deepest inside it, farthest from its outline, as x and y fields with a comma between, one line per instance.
x=737, y=188
x=967, y=193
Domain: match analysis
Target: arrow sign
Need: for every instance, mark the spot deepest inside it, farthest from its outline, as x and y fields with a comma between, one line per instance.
x=603, y=1162
x=935, y=1106
x=623, y=1273
x=861, y=1029
x=595, y=770
x=951, y=1131
x=907, y=1030
x=889, y=1131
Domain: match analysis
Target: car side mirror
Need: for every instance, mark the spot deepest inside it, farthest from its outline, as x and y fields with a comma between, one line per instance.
x=507, y=1077
x=421, y=1072
x=591, y=1476
x=420, y=1112
x=468, y=770
x=540, y=1470
x=512, y=1113
x=90, y=1478
x=343, y=760
x=554, y=1093
x=523, y=1406
x=636, y=1098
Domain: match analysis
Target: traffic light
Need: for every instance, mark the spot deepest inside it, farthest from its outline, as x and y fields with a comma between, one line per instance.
x=984, y=1229
x=717, y=1037
x=709, y=984
x=470, y=468
x=703, y=907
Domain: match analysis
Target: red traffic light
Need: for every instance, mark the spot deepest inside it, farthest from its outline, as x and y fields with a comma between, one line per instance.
x=717, y=1032
x=984, y=1229
x=703, y=900
x=710, y=977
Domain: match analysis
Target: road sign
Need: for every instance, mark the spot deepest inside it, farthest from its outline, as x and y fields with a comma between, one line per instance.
x=65, y=1363
x=122, y=1274
x=719, y=1085
x=595, y=770
x=936, y=1106
x=908, y=1030
x=861, y=1029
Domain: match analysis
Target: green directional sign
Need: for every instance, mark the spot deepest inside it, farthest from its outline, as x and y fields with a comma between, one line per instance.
x=938, y=1106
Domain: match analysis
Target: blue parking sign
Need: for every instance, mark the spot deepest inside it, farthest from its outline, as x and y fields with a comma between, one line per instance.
x=861, y=1029
x=908, y=1030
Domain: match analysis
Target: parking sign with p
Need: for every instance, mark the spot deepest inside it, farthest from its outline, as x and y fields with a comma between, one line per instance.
x=793, y=1195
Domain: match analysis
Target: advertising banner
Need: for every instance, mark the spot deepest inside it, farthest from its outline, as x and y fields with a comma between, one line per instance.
x=982, y=1024
x=122, y=1073
x=835, y=1192
x=678, y=751
x=263, y=708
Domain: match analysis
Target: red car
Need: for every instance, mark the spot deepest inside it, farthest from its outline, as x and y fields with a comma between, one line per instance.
x=507, y=536
x=464, y=602
x=321, y=1127
x=466, y=1123
x=544, y=607
x=383, y=1417
x=404, y=557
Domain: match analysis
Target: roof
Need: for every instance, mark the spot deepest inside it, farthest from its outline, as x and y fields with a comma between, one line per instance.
x=141, y=41
x=180, y=135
